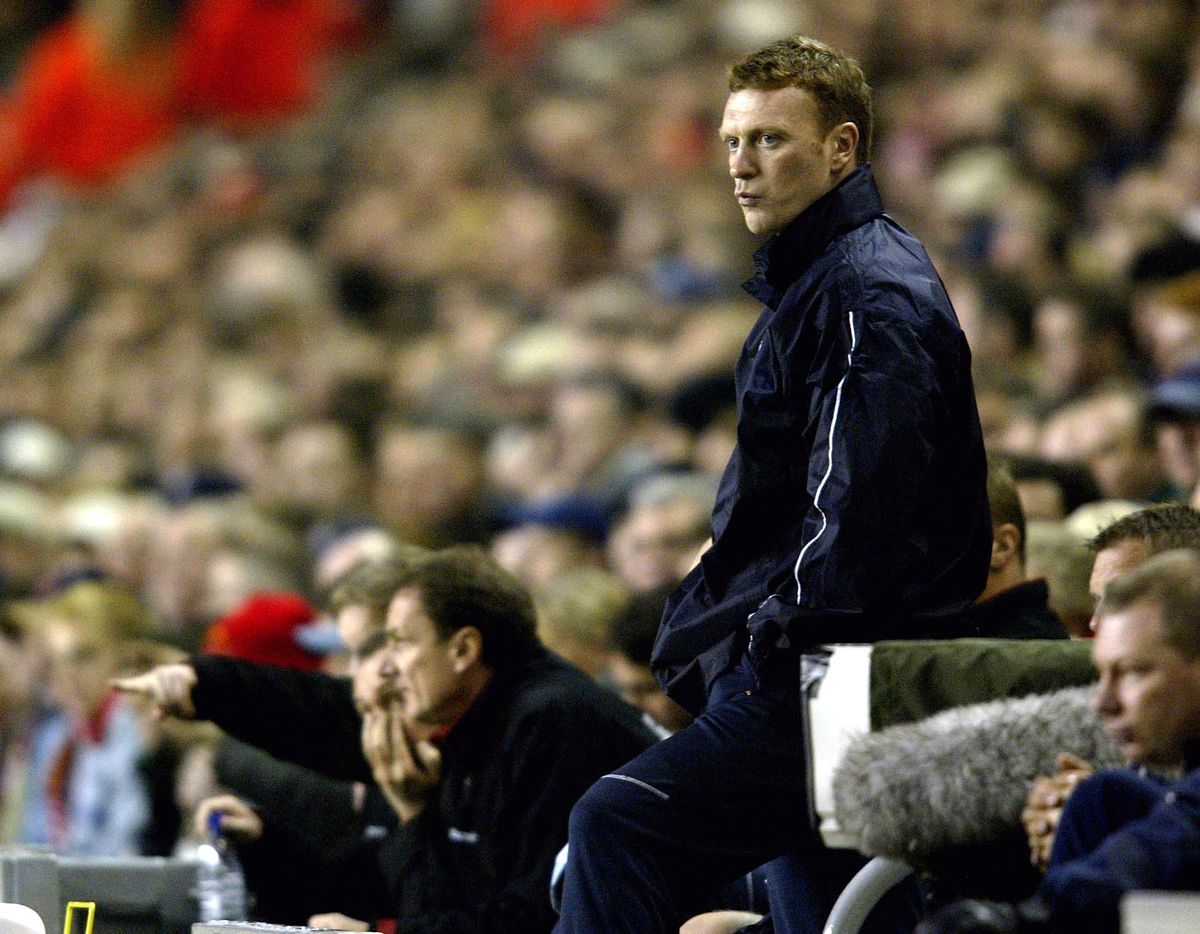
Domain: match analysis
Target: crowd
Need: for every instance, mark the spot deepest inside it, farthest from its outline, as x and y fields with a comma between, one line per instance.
x=335, y=283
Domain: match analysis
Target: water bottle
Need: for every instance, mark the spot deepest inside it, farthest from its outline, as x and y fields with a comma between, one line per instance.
x=220, y=884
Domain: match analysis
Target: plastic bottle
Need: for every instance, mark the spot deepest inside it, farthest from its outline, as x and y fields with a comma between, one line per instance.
x=220, y=884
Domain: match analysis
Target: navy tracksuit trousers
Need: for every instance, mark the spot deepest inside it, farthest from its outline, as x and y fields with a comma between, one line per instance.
x=653, y=842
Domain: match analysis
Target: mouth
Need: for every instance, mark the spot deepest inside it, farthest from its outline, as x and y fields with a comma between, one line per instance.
x=746, y=200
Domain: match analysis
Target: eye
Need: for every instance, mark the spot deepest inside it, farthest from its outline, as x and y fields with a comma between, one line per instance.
x=731, y=143
x=372, y=644
x=768, y=139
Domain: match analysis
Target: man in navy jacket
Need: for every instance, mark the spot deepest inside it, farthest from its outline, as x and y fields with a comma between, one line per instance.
x=853, y=509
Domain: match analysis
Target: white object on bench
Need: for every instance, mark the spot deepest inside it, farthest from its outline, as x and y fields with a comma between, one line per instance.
x=18, y=919
x=838, y=714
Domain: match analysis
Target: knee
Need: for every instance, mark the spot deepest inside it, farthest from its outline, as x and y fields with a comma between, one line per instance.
x=592, y=812
x=612, y=804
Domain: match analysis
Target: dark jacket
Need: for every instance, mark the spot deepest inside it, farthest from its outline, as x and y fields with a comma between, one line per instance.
x=1021, y=612
x=854, y=506
x=480, y=860
x=315, y=828
x=1161, y=851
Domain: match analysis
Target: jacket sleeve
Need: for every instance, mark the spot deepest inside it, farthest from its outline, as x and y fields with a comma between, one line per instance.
x=869, y=407
x=303, y=717
x=1161, y=851
x=555, y=756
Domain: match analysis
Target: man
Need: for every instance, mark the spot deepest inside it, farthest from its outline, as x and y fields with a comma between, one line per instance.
x=304, y=824
x=663, y=529
x=918, y=790
x=1119, y=547
x=479, y=737
x=853, y=508
x=1126, y=543
x=1106, y=432
x=629, y=662
x=1121, y=832
x=1011, y=606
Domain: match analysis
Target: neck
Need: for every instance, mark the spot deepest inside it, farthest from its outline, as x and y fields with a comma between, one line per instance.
x=1006, y=578
x=472, y=685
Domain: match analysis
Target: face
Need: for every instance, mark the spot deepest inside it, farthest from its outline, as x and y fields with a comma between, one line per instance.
x=637, y=686
x=17, y=678
x=414, y=669
x=1111, y=561
x=780, y=159
x=355, y=625
x=1148, y=695
x=80, y=669
x=651, y=546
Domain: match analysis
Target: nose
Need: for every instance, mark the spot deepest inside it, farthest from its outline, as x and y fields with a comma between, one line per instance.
x=741, y=162
x=1104, y=698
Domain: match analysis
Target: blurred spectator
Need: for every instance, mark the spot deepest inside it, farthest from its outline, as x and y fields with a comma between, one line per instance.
x=107, y=87
x=94, y=95
x=1011, y=606
x=27, y=538
x=91, y=798
x=337, y=548
x=1174, y=408
x=629, y=663
x=1051, y=490
x=576, y=611
x=248, y=63
x=1106, y=433
x=1082, y=340
x=1062, y=557
x=428, y=485
x=537, y=553
x=513, y=28
x=664, y=526
x=22, y=714
x=272, y=629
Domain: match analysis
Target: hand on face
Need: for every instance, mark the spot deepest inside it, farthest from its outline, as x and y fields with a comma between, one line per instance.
x=406, y=766
x=1045, y=803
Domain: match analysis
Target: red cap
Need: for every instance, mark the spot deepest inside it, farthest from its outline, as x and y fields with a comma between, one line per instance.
x=263, y=629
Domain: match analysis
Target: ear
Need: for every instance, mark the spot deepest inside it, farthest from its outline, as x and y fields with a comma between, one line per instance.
x=843, y=139
x=466, y=648
x=1006, y=542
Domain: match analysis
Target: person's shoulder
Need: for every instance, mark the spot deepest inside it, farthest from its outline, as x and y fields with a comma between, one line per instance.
x=889, y=274
x=882, y=250
x=555, y=692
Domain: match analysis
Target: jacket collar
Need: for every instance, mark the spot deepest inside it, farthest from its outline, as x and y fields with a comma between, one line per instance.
x=471, y=736
x=783, y=258
x=1191, y=755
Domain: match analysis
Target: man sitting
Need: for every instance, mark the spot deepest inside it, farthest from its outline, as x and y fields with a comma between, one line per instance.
x=1121, y=831
x=480, y=739
x=1011, y=606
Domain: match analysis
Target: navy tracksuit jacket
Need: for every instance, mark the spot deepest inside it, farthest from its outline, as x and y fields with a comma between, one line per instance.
x=854, y=505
